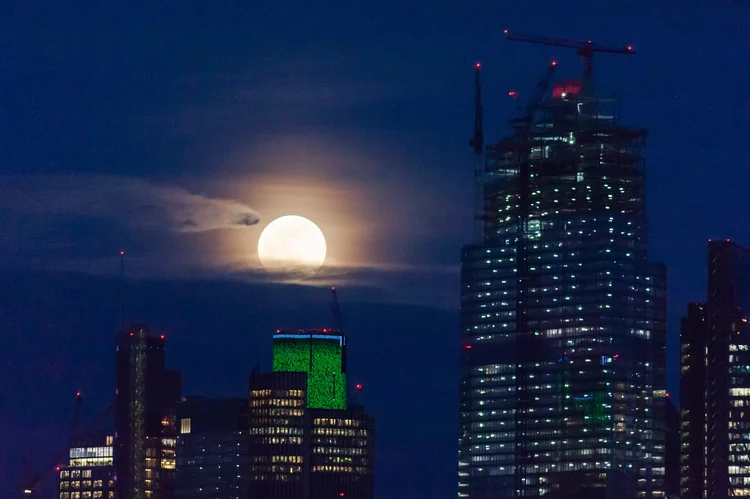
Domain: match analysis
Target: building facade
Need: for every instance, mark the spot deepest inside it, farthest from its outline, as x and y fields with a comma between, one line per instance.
x=672, y=450
x=341, y=453
x=563, y=335
x=693, y=335
x=728, y=371
x=321, y=353
x=277, y=436
x=212, y=448
x=90, y=472
x=306, y=442
x=145, y=417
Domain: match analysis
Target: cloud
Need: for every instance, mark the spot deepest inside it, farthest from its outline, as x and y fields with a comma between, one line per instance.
x=137, y=203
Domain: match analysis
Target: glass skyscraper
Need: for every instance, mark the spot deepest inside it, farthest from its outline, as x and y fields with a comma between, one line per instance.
x=562, y=314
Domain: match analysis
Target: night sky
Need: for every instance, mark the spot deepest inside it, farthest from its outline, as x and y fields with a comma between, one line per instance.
x=120, y=122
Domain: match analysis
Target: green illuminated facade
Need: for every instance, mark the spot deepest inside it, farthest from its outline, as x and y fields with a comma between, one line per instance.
x=322, y=355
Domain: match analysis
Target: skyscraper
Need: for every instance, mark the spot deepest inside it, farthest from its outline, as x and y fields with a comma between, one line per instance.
x=277, y=436
x=145, y=419
x=212, y=448
x=306, y=442
x=693, y=335
x=562, y=314
x=728, y=371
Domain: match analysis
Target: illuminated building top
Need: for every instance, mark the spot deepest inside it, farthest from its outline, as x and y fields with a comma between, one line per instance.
x=321, y=353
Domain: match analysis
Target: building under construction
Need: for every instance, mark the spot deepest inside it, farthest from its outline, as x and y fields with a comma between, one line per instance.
x=562, y=314
x=145, y=417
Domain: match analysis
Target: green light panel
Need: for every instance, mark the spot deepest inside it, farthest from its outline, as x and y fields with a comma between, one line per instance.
x=326, y=384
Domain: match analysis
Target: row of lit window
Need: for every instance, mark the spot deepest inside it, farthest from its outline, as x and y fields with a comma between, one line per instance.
x=278, y=412
x=348, y=451
x=280, y=402
x=286, y=459
x=86, y=495
x=341, y=432
x=276, y=430
x=75, y=474
x=336, y=422
x=85, y=484
x=280, y=440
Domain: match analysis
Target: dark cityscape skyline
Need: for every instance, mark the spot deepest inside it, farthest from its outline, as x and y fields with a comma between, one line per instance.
x=169, y=132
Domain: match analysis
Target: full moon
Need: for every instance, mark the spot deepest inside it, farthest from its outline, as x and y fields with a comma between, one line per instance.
x=292, y=245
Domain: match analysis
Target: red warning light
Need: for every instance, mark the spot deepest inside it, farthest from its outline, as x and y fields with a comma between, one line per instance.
x=78, y=394
x=122, y=253
x=358, y=386
x=468, y=347
x=667, y=394
x=616, y=356
x=479, y=65
x=513, y=94
x=554, y=63
x=162, y=336
x=57, y=468
x=630, y=47
x=341, y=494
x=505, y=31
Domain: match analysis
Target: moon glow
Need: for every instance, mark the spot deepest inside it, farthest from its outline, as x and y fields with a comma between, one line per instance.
x=292, y=245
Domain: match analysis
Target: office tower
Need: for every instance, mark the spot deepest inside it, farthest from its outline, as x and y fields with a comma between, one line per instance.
x=145, y=419
x=342, y=453
x=277, y=442
x=212, y=448
x=90, y=472
x=321, y=353
x=562, y=355
x=693, y=402
x=305, y=442
x=728, y=371
x=671, y=450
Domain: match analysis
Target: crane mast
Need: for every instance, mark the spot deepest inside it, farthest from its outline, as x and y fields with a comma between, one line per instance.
x=477, y=143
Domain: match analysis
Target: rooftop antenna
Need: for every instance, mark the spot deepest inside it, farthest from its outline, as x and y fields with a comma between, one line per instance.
x=477, y=142
x=122, y=290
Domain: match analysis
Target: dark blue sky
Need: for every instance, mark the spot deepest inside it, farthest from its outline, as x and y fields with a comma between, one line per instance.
x=118, y=119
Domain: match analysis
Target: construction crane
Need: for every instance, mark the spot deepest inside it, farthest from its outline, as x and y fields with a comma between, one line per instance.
x=524, y=120
x=335, y=309
x=477, y=143
x=31, y=481
x=585, y=49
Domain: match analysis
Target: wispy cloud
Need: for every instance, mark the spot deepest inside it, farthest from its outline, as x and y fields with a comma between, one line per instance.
x=134, y=202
